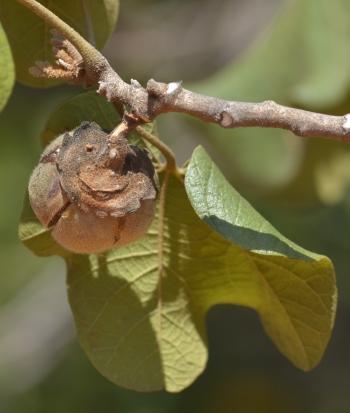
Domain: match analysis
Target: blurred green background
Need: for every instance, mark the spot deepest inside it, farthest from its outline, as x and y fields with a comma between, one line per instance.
x=293, y=51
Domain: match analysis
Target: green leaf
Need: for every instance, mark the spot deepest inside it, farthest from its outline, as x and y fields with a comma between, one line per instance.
x=299, y=279
x=7, y=76
x=140, y=310
x=29, y=35
x=227, y=212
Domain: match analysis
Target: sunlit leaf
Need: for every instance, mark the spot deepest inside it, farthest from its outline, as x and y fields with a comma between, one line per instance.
x=7, y=75
x=292, y=274
x=226, y=211
x=140, y=310
x=29, y=36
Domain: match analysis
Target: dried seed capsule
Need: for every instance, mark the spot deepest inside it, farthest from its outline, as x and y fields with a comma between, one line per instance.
x=93, y=192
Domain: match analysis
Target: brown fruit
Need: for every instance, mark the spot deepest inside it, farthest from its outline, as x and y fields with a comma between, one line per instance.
x=93, y=191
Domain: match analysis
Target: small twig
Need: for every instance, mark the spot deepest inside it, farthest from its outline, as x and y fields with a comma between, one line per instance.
x=163, y=98
x=145, y=104
x=129, y=124
x=164, y=149
x=161, y=227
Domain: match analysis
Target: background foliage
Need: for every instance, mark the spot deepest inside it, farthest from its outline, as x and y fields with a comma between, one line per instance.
x=236, y=378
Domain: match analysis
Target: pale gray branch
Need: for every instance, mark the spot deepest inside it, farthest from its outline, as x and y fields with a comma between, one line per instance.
x=157, y=98
x=79, y=62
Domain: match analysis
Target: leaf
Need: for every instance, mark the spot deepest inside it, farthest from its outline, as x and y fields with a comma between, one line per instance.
x=294, y=62
x=227, y=212
x=297, y=279
x=140, y=310
x=29, y=35
x=7, y=76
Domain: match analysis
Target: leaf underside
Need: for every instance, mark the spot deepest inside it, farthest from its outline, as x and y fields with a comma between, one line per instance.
x=140, y=310
x=29, y=36
x=297, y=278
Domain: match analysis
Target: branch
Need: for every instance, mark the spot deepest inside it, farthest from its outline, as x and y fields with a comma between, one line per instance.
x=145, y=104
